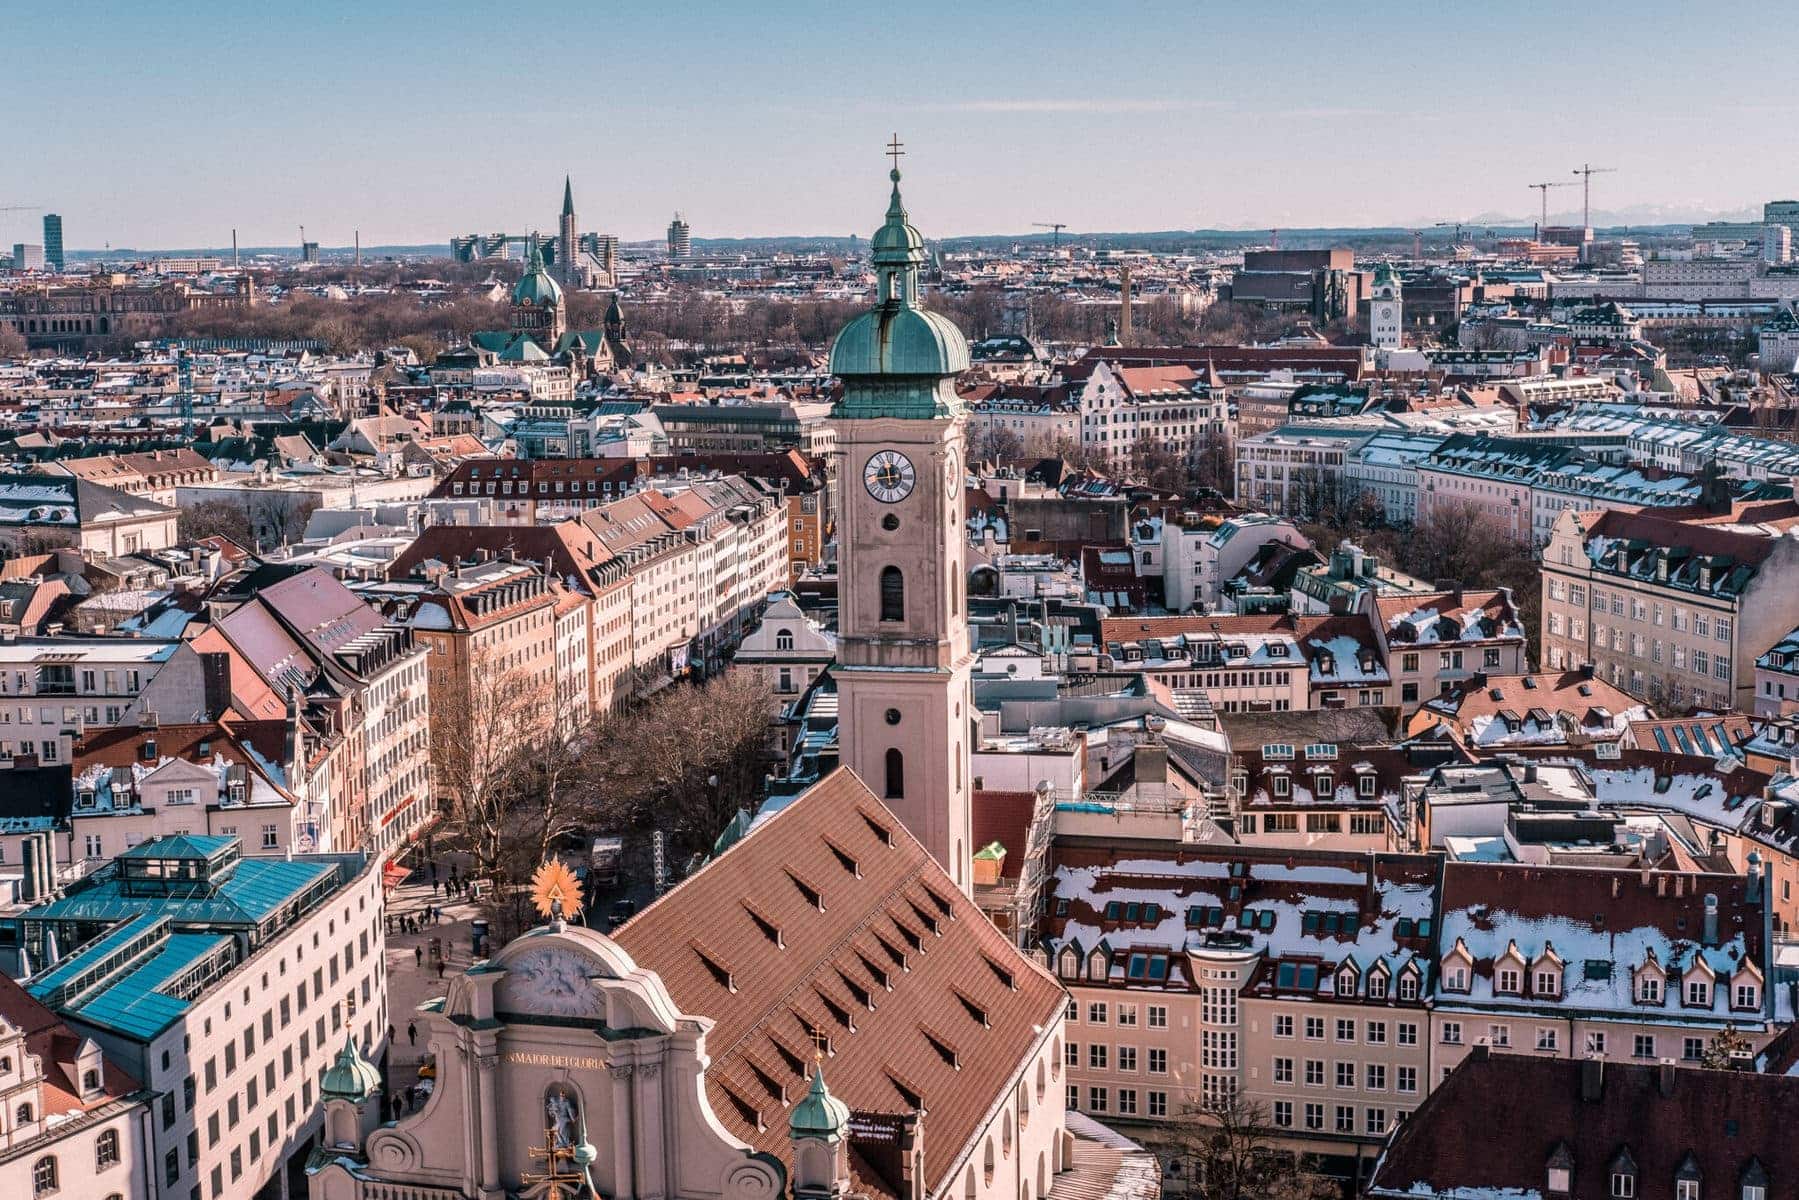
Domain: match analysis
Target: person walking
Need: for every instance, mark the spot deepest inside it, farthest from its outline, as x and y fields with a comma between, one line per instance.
x=412, y=1032
x=390, y=1033
x=418, y=956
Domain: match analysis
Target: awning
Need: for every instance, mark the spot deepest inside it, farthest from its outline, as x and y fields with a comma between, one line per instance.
x=393, y=875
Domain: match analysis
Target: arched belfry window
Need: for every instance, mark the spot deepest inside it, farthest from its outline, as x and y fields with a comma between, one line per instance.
x=893, y=594
x=896, y=775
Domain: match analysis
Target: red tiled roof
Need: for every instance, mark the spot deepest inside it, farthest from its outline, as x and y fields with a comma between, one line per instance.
x=831, y=916
x=1492, y=1126
x=1003, y=817
x=57, y=1046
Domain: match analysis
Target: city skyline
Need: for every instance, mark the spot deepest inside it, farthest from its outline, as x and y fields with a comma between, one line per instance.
x=761, y=125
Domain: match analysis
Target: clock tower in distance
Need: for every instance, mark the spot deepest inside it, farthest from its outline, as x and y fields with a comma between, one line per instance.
x=905, y=713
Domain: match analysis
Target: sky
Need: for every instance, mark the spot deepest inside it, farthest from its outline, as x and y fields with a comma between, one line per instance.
x=153, y=124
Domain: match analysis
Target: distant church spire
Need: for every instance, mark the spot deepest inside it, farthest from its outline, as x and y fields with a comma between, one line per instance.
x=568, y=197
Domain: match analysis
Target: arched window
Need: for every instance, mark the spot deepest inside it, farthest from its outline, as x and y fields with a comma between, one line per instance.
x=896, y=775
x=893, y=594
x=784, y=640
x=90, y=1080
x=43, y=1176
x=106, y=1150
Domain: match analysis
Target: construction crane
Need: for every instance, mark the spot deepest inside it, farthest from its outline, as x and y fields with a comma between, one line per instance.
x=22, y=208
x=1543, y=190
x=1586, y=171
x=1055, y=228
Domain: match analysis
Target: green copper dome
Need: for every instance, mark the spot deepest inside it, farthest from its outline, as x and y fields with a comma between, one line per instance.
x=535, y=286
x=896, y=337
x=819, y=1114
x=351, y=1077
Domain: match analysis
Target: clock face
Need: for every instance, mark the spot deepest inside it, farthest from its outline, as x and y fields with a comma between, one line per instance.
x=952, y=478
x=889, y=476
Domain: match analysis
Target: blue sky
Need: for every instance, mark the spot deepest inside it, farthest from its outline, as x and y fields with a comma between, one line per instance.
x=164, y=124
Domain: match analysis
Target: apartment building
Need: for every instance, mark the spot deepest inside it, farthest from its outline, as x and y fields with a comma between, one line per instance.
x=1337, y=990
x=1296, y=979
x=1384, y=470
x=1571, y=962
x=57, y=510
x=1263, y=663
x=224, y=984
x=1492, y=476
x=787, y=648
x=52, y=690
x=1435, y=641
x=492, y=618
x=1177, y=407
x=1777, y=678
x=287, y=633
x=74, y=1123
x=155, y=474
x=1200, y=553
x=209, y=778
x=1673, y=607
x=1292, y=471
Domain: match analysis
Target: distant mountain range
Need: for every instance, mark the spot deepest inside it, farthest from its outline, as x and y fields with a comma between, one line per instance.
x=1649, y=219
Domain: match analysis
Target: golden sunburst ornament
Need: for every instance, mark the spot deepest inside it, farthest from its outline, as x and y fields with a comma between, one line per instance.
x=555, y=891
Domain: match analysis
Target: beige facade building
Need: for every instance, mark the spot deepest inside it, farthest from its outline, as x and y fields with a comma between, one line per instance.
x=1673, y=608
x=72, y=1123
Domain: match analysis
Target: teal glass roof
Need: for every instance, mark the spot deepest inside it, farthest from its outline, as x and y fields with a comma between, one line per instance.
x=179, y=845
x=254, y=890
x=131, y=1003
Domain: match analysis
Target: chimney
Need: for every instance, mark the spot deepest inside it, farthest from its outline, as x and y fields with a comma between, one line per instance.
x=1586, y=670
x=1752, y=890
x=28, y=886
x=215, y=667
x=1710, y=935
x=1664, y=1077
x=1592, y=1078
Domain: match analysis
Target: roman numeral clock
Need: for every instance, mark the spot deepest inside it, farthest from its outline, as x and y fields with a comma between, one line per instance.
x=889, y=476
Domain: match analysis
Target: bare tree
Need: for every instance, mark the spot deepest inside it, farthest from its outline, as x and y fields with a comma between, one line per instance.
x=996, y=444
x=686, y=760
x=216, y=518
x=13, y=343
x=1230, y=1153
x=484, y=730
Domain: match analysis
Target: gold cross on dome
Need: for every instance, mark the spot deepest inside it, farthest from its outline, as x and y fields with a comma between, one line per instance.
x=821, y=1044
x=894, y=151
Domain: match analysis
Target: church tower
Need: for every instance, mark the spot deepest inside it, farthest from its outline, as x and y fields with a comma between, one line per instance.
x=537, y=307
x=905, y=709
x=568, y=240
x=1386, y=309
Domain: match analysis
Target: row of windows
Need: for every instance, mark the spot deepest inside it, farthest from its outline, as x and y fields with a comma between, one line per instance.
x=1101, y=1058
x=1405, y=1033
x=1155, y=1015
x=1372, y=1077
x=1100, y=1100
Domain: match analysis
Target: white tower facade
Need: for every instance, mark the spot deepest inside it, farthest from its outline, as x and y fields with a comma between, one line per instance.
x=1386, y=310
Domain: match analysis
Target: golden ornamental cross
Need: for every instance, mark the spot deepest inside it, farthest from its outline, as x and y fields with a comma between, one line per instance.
x=894, y=151
x=821, y=1043
x=552, y=1156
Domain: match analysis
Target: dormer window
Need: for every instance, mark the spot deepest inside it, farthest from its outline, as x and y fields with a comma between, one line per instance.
x=1748, y=996
x=1649, y=989
x=1558, y=1173
x=1377, y=986
x=1548, y=984
x=1068, y=965
x=1699, y=993
x=1408, y=986
x=1456, y=978
x=1509, y=981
